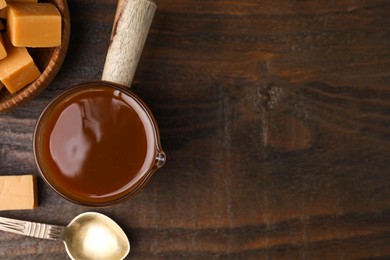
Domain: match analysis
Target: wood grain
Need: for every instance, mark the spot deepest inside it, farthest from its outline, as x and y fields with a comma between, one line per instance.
x=274, y=116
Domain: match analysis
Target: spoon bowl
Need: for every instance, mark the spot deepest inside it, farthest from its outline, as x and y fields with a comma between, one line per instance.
x=88, y=236
x=95, y=236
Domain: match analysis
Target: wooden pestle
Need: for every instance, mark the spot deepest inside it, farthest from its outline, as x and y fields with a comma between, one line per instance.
x=130, y=29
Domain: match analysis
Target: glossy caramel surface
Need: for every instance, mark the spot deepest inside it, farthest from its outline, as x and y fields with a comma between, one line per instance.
x=96, y=144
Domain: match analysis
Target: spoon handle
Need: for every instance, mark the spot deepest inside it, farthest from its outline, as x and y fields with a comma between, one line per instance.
x=31, y=229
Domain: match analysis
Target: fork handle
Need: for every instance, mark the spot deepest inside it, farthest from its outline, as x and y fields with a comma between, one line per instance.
x=32, y=229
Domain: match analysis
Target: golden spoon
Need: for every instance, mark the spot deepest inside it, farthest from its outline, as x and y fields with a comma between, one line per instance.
x=90, y=235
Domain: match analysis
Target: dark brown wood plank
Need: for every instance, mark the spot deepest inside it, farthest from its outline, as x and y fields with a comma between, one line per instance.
x=275, y=119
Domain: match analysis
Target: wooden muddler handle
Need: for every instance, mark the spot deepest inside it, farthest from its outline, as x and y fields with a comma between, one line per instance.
x=131, y=26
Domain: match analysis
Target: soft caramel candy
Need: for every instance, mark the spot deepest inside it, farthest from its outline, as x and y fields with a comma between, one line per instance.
x=34, y=25
x=18, y=192
x=18, y=68
x=3, y=4
x=3, y=52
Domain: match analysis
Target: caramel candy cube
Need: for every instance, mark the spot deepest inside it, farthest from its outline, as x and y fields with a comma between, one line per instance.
x=18, y=68
x=3, y=52
x=34, y=25
x=3, y=4
x=18, y=192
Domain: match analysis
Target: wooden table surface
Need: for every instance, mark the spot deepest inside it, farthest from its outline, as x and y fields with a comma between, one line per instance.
x=275, y=118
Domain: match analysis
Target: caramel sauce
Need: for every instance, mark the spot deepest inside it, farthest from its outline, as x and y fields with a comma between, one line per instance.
x=97, y=144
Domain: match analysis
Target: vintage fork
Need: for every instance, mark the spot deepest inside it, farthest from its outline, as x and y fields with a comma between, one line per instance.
x=32, y=229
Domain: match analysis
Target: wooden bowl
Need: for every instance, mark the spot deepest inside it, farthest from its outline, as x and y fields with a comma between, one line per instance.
x=48, y=61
